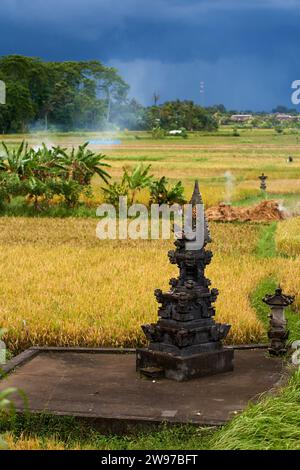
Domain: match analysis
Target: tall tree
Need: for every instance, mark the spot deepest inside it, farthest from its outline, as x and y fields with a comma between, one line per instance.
x=66, y=95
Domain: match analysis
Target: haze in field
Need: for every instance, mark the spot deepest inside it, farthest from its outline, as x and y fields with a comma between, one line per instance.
x=245, y=52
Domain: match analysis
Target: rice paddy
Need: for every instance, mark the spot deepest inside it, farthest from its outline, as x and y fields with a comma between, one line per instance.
x=61, y=286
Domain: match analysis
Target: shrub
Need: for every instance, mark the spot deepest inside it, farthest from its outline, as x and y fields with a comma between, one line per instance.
x=113, y=192
x=184, y=133
x=69, y=189
x=235, y=132
x=279, y=130
x=161, y=194
x=158, y=133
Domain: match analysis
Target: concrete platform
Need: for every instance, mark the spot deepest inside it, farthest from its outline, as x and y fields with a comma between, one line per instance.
x=102, y=386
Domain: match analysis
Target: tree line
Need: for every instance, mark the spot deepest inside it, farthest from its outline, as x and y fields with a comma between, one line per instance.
x=83, y=95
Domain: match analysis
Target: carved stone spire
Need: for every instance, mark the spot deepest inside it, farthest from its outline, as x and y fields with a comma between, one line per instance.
x=196, y=199
x=196, y=196
x=186, y=342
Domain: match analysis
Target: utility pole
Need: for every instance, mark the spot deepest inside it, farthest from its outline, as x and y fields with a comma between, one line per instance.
x=156, y=98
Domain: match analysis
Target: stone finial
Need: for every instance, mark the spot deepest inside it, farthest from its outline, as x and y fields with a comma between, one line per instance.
x=196, y=196
x=197, y=199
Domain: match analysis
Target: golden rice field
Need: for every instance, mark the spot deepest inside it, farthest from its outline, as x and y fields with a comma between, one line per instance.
x=288, y=237
x=60, y=285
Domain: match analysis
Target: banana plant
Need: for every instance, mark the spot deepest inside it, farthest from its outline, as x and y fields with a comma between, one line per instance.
x=112, y=192
x=161, y=193
x=37, y=188
x=138, y=179
x=44, y=161
x=44, y=172
x=81, y=165
x=16, y=160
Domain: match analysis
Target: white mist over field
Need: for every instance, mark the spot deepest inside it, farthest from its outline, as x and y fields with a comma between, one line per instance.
x=229, y=186
x=47, y=142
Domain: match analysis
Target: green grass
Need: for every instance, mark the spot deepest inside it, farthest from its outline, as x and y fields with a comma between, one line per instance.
x=72, y=433
x=266, y=246
x=19, y=208
x=272, y=424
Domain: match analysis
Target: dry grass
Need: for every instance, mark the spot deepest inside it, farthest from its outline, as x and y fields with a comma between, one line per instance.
x=277, y=186
x=236, y=279
x=288, y=237
x=34, y=443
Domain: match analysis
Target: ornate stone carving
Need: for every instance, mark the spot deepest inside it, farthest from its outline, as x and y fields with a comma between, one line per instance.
x=186, y=328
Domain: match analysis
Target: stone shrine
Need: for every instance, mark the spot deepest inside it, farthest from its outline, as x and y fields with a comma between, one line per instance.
x=186, y=342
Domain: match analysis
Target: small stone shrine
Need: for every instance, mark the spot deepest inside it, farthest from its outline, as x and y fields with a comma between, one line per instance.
x=278, y=332
x=263, y=182
x=186, y=342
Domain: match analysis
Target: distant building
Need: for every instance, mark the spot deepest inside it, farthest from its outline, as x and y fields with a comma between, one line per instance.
x=176, y=132
x=285, y=117
x=241, y=117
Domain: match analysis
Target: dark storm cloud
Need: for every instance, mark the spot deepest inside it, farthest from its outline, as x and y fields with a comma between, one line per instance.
x=246, y=51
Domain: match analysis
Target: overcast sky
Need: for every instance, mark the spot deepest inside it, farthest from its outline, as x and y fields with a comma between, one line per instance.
x=246, y=51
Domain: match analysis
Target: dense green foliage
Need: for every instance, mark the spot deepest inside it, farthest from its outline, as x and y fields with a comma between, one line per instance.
x=138, y=178
x=63, y=95
x=161, y=193
x=84, y=95
x=180, y=115
x=40, y=174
